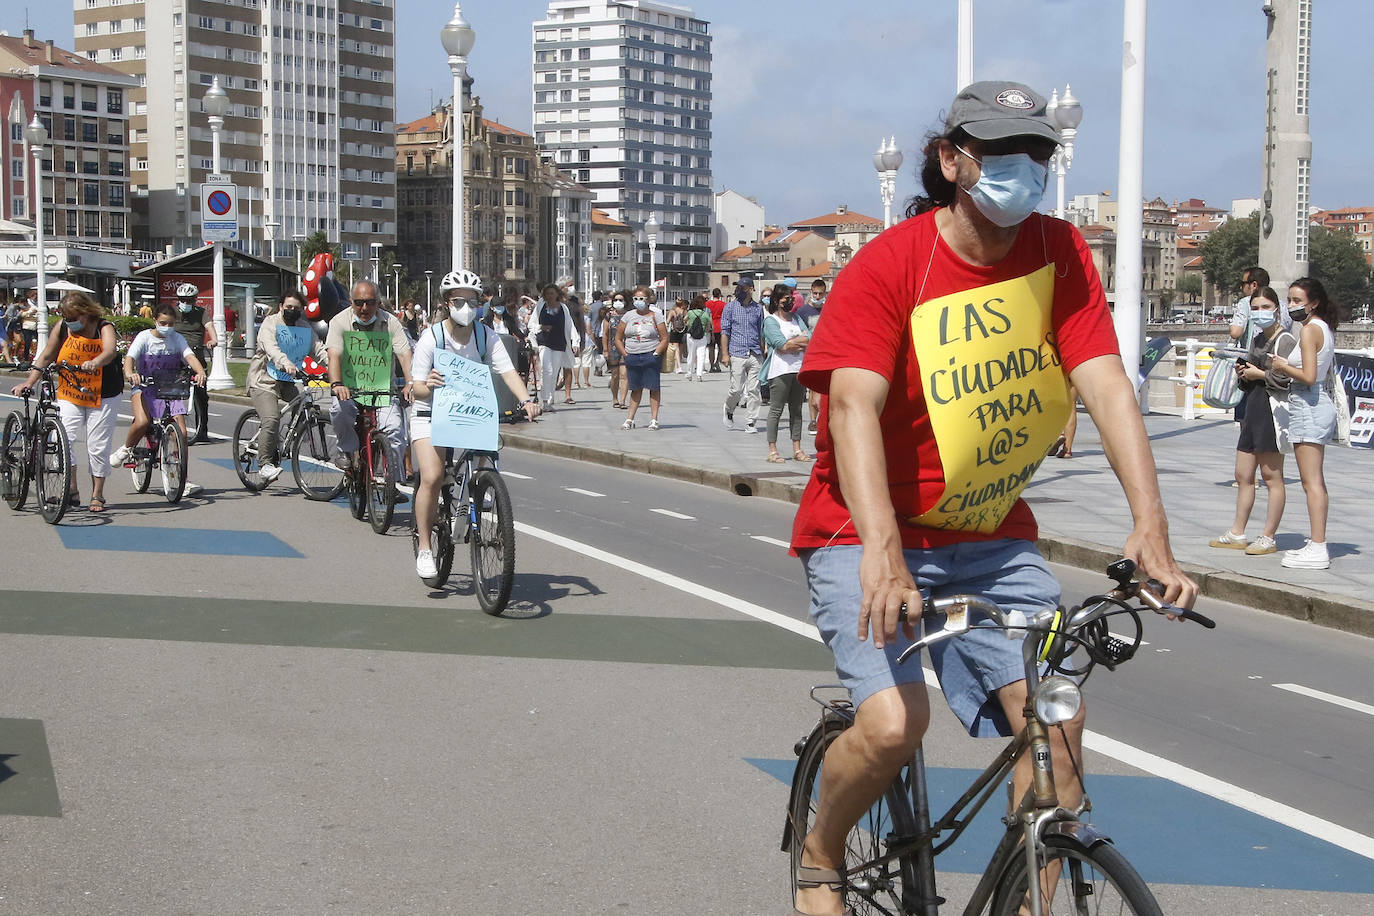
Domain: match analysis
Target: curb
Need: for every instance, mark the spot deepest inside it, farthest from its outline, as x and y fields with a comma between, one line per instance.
x=1349, y=615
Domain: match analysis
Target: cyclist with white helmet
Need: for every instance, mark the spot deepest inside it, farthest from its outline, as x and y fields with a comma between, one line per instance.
x=196, y=325
x=459, y=333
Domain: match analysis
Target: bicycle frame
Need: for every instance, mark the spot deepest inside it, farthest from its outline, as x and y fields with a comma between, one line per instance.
x=458, y=474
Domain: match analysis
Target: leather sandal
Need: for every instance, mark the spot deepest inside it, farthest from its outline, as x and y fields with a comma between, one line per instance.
x=809, y=876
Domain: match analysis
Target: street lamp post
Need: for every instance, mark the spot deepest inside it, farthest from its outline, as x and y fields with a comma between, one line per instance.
x=216, y=105
x=887, y=160
x=395, y=286
x=376, y=262
x=37, y=136
x=429, y=295
x=299, y=239
x=458, y=38
x=651, y=233
x=271, y=227
x=1066, y=112
x=591, y=271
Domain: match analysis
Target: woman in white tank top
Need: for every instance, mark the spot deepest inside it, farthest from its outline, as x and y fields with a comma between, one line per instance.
x=1312, y=412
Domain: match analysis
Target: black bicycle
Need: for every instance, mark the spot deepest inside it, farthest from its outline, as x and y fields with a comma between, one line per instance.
x=475, y=508
x=34, y=447
x=306, y=436
x=889, y=864
x=164, y=445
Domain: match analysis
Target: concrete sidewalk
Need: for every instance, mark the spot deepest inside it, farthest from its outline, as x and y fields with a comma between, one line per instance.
x=1080, y=506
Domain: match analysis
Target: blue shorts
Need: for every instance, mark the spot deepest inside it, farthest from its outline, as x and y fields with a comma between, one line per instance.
x=1311, y=414
x=641, y=370
x=972, y=667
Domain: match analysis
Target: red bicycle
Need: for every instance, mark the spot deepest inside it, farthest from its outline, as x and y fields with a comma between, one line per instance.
x=371, y=479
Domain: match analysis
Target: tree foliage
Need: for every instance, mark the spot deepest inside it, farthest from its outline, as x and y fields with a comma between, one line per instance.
x=1191, y=284
x=1339, y=263
x=1228, y=250
x=318, y=243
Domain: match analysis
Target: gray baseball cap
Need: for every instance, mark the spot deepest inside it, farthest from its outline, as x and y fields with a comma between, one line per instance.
x=997, y=109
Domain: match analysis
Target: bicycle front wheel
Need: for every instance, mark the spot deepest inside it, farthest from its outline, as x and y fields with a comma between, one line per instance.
x=14, y=465
x=54, y=470
x=172, y=458
x=875, y=888
x=247, y=461
x=312, y=460
x=381, y=487
x=492, y=541
x=1077, y=881
x=440, y=542
x=197, y=414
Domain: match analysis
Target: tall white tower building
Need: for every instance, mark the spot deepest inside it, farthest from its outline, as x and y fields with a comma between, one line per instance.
x=622, y=105
x=310, y=135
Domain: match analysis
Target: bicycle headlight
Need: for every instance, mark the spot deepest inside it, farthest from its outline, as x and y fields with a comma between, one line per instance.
x=1057, y=699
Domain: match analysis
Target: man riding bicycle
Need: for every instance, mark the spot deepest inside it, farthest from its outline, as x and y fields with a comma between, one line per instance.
x=196, y=325
x=944, y=358
x=343, y=410
x=458, y=333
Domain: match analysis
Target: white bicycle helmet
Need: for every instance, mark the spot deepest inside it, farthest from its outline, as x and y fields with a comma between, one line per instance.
x=188, y=291
x=459, y=279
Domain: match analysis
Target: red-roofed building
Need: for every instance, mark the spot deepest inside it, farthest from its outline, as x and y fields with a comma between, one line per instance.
x=1359, y=221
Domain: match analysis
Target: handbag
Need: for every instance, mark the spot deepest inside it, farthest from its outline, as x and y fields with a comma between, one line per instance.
x=1342, y=402
x=1221, y=387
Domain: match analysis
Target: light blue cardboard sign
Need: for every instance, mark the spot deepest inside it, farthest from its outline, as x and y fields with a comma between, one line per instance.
x=295, y=343
x=465, y=408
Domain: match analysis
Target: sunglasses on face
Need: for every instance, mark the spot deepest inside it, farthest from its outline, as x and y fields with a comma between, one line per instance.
x=1037, y=148
x=357, y=302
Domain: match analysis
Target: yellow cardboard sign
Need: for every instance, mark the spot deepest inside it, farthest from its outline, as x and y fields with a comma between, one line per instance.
x=995, y=391
x=77, y=350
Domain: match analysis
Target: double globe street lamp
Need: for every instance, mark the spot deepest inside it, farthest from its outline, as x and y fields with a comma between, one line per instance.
x=458, y=38
x=36, y=135
x=1066, y=113
x=887, y=160
x=651, y=230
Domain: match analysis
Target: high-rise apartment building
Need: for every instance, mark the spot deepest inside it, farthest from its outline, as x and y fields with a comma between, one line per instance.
x=309, y=137
x=622, y=105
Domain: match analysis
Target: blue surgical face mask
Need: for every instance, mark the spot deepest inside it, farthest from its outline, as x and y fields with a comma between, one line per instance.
x=366, y=321
x=74, y=326
x=163, y=329
x=1263, y=318
x=185, y=306
x=1010, y=187
x=499, y=309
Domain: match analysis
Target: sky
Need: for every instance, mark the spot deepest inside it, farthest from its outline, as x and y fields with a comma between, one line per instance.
x=804, y=90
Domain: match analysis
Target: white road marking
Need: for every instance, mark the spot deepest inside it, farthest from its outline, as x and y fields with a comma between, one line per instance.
x=583, y=492
x=1153, y=764
x=767, y=540
x=1328, y=698
x=671, y=514
x=516, y=476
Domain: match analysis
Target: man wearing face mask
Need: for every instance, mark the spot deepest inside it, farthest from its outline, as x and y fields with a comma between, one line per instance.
x=196, y=325
x=950, y=337
x=343, y=412
x=741, y=351
x=458, y=333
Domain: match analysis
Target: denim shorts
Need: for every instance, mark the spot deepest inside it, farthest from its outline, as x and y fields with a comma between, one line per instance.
x=1311, y=414
x=970, y=667
x=641, y=370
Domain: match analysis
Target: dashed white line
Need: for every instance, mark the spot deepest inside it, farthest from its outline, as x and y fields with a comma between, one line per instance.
x=516, y=476
x=583, y=492
x=671, y=514
x=767, y=540
x=1153, y=764
x=1328, y=698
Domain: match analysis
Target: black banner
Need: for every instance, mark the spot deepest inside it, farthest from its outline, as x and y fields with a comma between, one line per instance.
x=1357, y=374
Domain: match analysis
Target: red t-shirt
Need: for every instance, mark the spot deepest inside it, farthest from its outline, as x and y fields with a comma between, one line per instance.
x=717, y=308
x=977, y=360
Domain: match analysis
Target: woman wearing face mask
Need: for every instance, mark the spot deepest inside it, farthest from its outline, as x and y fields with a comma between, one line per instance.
x=786, y=338
x=85, y=339
x=615, y=363
x=641, y=338
x=1265, y=420
x=500, y=316
x=283, y=345
x=557, y=340
x=459, y=333
x=154, y=359
x=1312, y=412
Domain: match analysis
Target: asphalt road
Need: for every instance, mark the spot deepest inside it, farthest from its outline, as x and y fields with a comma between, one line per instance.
x=249, y=703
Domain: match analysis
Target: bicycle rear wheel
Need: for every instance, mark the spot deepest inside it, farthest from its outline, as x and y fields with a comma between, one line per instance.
x=172, y=458
x=14, y=465
x=1089, y=881
x=492, y=543
x=312, y=460
x=381, y=488
x=247, y=461
x=197, y=415
x=54, y=470
x=878, y=888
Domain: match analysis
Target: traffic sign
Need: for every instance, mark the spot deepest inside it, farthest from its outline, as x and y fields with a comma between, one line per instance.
x=218, y=178
x=219, y=210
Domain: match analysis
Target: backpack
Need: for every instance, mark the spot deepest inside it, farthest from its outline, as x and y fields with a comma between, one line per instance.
x=700, y=321
x=678, y=323
x=479, y=330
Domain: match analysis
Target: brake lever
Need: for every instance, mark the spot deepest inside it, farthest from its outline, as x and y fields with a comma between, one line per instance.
x=1146, y=592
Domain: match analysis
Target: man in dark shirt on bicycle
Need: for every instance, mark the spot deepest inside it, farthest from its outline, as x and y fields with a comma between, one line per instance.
x=944, y=361
x=343, y=412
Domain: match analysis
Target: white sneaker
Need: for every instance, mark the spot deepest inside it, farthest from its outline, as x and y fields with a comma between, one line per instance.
x=1261, y=546
x=1231, y=540
x=191, y=489
x=750, y=428
x=1312, y=556
x=121, y=456
x=727, y=418
x=424, y=564
x=269, y=472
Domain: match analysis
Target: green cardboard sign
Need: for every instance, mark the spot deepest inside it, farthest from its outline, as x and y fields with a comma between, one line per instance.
x=367, y=364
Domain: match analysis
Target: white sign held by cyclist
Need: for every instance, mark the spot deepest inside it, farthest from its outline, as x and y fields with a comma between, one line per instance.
x=465, y=411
